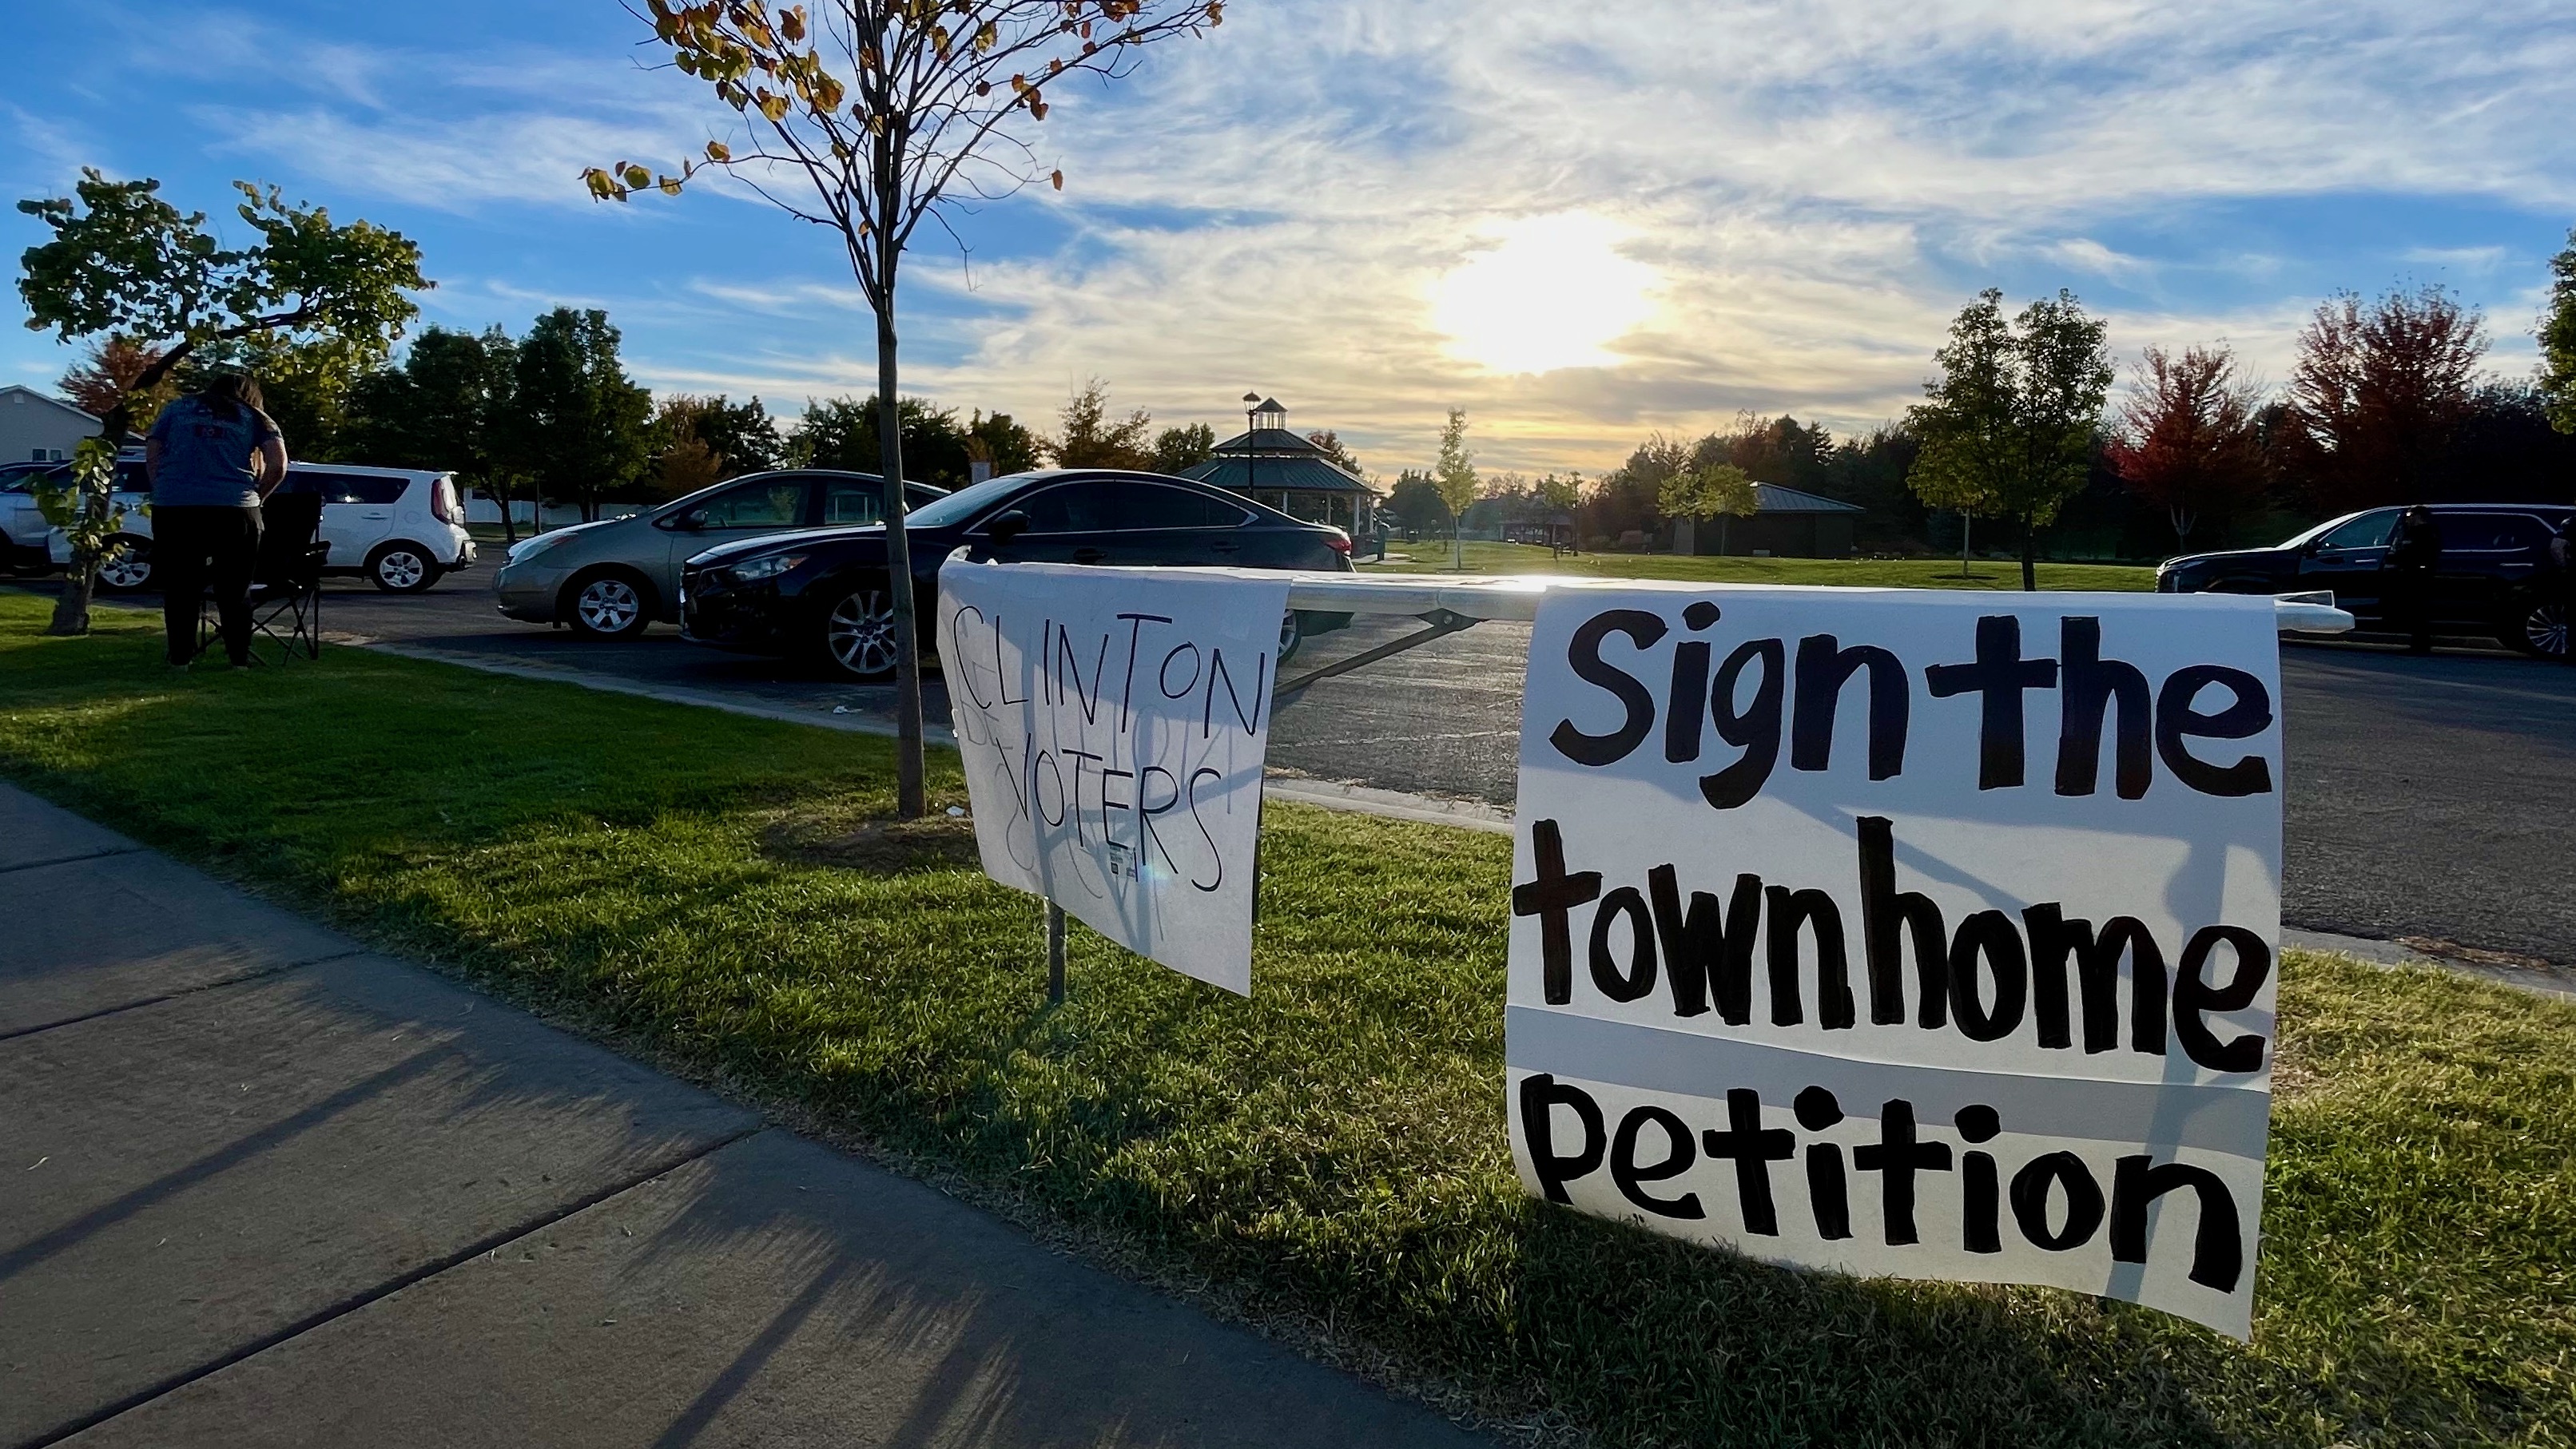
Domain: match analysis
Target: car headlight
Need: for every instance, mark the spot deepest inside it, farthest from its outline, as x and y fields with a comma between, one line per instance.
x=767, y=568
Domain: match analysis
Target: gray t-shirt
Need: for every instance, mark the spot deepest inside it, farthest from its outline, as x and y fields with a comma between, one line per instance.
x=205, y=459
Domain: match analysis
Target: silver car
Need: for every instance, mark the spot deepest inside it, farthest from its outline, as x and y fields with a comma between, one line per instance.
x=613, y=578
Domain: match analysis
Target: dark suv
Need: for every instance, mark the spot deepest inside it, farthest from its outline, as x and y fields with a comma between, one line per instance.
x=2495, y=575
x=821, y=594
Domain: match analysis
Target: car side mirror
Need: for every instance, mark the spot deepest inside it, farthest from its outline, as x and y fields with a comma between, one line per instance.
x=1006, y=525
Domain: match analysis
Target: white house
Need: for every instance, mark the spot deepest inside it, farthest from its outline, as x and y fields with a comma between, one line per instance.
x=40, y=428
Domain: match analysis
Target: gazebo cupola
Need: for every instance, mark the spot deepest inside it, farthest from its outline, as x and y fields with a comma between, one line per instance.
x=1270, y=464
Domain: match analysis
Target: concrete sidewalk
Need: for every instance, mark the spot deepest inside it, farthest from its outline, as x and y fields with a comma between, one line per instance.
x=259, y=1186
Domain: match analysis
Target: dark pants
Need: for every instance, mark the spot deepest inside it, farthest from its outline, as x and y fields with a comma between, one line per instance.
x=2406, y=603
x=202, y=550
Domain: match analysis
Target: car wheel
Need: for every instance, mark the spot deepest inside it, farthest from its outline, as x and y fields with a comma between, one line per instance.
x=612, y=604
x=402, y=568
x=858, y=634
x=2541, y=630
x=1292, y=633
x=126, y=567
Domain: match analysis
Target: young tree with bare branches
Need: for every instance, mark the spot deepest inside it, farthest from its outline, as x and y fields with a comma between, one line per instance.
x=2187, y=440
x=873, y=117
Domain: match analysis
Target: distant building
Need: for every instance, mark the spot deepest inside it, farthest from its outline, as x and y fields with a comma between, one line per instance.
x=1786, y=523
x=41, y=429
x=1272, y=465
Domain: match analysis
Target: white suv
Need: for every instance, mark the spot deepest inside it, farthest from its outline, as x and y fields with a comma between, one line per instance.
x=401, y=527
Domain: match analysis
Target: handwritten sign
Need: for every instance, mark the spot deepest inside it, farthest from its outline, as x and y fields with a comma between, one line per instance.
x=1114, y=723
x=1920, y=935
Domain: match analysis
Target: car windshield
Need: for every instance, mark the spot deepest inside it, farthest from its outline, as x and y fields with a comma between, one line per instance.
x=966, y=502
x=2309, y=536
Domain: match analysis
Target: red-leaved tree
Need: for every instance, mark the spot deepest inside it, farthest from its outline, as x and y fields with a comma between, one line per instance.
x=2186, y=440
x=2377, y=394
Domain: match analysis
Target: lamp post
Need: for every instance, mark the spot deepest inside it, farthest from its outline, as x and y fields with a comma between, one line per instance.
x=1251, y=448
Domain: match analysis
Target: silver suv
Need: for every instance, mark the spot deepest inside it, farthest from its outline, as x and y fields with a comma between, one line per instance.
x=613, y=578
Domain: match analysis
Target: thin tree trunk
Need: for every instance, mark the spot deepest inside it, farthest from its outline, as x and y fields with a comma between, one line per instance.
x=2029, y=556
x=909, y=801
x=1965, y=519
x=71, y=611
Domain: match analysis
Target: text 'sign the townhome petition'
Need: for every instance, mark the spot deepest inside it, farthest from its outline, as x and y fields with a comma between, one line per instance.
x=1113, y=724
x=1929, y=936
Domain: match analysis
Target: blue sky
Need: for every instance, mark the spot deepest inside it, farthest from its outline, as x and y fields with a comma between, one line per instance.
x=1580, y=225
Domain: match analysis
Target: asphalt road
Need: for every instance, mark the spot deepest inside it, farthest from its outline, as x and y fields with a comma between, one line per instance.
x=2427, y=797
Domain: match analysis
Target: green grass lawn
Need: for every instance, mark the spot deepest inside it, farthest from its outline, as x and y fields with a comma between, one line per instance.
x=1328, y=1156
x=1429, y=556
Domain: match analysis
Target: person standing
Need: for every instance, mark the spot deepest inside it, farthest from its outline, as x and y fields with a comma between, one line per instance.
x=2406, y=574
x=212, y=455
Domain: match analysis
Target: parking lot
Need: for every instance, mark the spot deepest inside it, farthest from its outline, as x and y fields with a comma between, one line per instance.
x=2428, y=796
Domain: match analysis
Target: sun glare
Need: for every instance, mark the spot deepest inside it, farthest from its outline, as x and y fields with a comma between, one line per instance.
x=1550, y=292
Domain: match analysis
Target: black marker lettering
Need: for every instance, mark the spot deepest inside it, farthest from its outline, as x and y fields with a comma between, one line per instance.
x=1828, y=1194
x=2193, y=996
x=1632, y=1176
x=1884, y=912
x=1753, y=1150
x=2030, y=1193
x=1991, y=938
x=1823, y=669
x=1583, y=655
x=1981, y=1193
x=1541, y=1094
x=1550, y=897
x=1790, y=909
x=1756, y=731
x=2217, y=1246
x=1897, y=1156
x=1639, y=978
x=2092, y=686
x=2248, y=714
x=2000, y=674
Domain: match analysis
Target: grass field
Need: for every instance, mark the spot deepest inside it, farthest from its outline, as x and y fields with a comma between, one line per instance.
x=1430, y=556
x=1328, y=1156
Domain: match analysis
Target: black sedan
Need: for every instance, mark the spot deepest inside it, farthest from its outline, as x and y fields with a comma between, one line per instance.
x=2495, y=576
x=823, y=594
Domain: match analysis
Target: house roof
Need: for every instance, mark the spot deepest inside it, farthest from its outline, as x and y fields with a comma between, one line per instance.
x=1772, y=498
x=1266, y=472
x=15, y=392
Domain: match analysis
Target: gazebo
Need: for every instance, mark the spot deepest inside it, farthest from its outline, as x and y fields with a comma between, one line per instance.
x=1269, y=464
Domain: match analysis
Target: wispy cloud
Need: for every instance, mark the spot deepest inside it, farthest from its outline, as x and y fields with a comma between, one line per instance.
x=1814, y=190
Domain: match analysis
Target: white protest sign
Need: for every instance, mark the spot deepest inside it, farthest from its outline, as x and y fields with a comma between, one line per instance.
x=1113, y=724
x=1927, y=935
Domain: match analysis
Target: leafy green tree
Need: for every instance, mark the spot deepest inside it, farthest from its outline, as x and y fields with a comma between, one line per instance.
x=2557, y=335
x=1416, y=500
x=576, y=423
x=442, y=407
x=894, y=112
x=124, y=262
x=1560, y=494
x=1711, y=490
x=1089, y=438
x=1183, y=447
x=742, y=434
x=993, y=438
x=1455, y=476
x=841, y=433
x=1344, y=458
x=2011, y=425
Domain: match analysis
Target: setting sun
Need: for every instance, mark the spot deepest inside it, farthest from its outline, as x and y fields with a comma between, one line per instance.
x=1550, y=292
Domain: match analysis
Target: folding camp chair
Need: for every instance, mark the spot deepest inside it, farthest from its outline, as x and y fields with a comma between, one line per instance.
x=286, y=581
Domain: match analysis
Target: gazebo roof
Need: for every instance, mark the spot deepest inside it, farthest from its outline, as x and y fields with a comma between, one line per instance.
x=1270, y=443
x=1269, y=471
